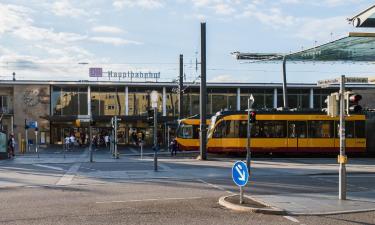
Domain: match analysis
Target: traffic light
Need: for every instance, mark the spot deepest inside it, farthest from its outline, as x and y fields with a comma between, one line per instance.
x=150, y=117
x=353, y=103
x=333, y=105
x=253, y=116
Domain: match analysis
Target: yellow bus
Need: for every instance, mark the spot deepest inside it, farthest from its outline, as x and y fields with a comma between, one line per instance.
x=188, y=133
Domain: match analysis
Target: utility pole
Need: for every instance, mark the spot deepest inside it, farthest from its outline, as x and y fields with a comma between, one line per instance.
x=154, y=103
x=115, y=137
x=203, y=97
x=180, y=88
x=285, y=92
x=250, y=103
x=342, y=171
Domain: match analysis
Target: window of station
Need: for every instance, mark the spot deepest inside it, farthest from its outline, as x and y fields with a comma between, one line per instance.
x=320, y=96
x=172, y=103
x=140, y=101
x=263, y=98
x=297, y=98
x=320, y=129
x=221, y=99
x=6, y=104
x=69, y=101
x=108, y=101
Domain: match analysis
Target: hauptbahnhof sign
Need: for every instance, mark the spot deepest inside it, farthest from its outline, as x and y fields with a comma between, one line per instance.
x=98, y=72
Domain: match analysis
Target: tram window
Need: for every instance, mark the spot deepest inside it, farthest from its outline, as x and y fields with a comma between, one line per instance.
x=242, y=129
x=195, y=132
x=220, y=129
x=320, y=129
x=297, y=129
x=186, y=131
x=349, y=129
x=280, y=129
x=360, y=130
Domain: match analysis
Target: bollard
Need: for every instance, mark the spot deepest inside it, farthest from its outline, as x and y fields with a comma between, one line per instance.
x=141, y=150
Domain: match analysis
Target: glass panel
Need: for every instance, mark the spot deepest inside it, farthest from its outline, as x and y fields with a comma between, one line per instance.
x=232, y=102
x=297, y=129
x=360, y=130
x=186, y=131
x=269, y=101
x=320, y=129
x=83, y=101
x=219, y=102
x=172, y=104
x=292, y=101
x=56, y=101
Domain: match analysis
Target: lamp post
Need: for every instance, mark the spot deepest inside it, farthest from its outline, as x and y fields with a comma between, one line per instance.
x=154, y=95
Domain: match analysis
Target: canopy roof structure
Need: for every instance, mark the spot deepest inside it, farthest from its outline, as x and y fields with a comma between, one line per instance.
x=365, y=18
x=358, y=47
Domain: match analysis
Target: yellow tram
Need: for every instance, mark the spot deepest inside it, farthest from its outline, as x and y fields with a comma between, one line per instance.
x=279, y=132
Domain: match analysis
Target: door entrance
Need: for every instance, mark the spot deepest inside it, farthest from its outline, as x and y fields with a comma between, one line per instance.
x=297, y=135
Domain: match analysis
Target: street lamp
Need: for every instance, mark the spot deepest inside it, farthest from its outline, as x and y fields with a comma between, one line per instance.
x=154, y=95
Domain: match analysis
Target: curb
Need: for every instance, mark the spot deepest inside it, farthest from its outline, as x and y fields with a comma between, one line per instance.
x=331, y=213
x=271, y=210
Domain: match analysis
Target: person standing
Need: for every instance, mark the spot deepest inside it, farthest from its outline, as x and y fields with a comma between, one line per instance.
x=72, y=141
x=174, y=147
x=106, y=140
x=67, y=143
x=11, y=146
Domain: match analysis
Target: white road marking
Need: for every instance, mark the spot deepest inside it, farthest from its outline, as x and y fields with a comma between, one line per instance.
x=149, y=200
x=69, y=175
x=291, y=219
x=133, y=150
x=49, y=167
x=215, y=186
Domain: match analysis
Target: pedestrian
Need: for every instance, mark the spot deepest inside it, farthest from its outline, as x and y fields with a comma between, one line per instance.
x=106, y=140
x=174, y=147
x=11, y=146
x=66, y=142
x=72, y=140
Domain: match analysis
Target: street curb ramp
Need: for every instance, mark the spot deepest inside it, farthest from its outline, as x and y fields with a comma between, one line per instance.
x=237, y=207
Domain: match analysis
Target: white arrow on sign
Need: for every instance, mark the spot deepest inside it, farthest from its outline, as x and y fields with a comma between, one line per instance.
x=242, y=174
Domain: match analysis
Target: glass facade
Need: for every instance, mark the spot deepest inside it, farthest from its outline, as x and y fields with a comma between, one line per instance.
x=6, y=104
x=297, y=98
x=140, y=101
x=263, y=98
x=67, y=101
x=108, y=101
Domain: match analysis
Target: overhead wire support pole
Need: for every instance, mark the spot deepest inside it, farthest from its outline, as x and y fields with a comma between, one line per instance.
x=181, y=87
x=285, y=92
x=203, y=97
x=342, y=171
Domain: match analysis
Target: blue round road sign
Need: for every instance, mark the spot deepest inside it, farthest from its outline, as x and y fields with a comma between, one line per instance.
x=240, y=173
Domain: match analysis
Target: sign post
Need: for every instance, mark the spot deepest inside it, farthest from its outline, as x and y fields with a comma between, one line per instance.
x=154, y=103
x=240, y=176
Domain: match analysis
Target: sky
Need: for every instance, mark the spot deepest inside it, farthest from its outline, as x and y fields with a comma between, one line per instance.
x=62, y=39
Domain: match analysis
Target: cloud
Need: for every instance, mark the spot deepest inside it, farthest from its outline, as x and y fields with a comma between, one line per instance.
x=273, y=17
x=321, y=29
x=224, y=9
x=144, y=4
x=65, y=8
x=107, y=29
x=114, y=41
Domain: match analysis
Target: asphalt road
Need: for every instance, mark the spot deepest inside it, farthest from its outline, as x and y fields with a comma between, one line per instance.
x=129, y=192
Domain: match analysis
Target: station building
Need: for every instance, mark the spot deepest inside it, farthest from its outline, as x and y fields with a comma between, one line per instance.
x=56, y=105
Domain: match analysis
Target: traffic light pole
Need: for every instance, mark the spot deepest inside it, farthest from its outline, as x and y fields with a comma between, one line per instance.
x=115, y=137
x=203, y=96
x=155, y=139
x=248, y=150
x=342, y=157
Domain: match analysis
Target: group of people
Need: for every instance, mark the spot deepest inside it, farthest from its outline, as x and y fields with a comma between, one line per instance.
x=101, y=140
x=78, y=139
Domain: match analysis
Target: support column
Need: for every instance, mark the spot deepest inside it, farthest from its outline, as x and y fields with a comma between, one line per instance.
x=126, y=101
x=164, y=101
x=238, y=99
x=203, y=96
x=311, y=98
x=275, y=98
x=89, y=101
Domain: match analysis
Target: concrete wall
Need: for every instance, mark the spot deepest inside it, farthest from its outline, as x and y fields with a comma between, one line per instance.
x=31, y=102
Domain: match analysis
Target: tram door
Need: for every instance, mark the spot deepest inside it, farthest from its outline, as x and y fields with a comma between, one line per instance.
x=297, y=135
